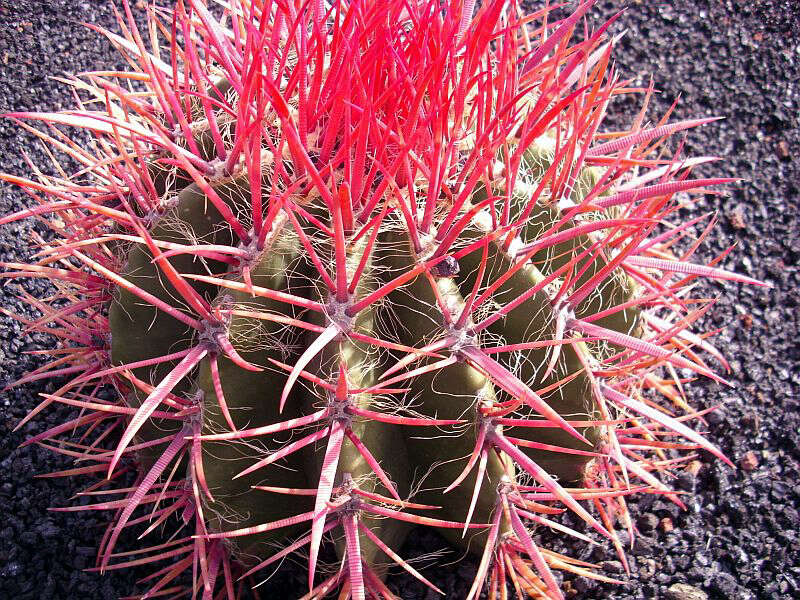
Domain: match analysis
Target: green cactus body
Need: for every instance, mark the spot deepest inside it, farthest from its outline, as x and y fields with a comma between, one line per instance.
x=438, y=455
x=431, y=457
x=533, y=321
x=617, y=288
x=139, y=330
x=250, y=400
x=356, y=360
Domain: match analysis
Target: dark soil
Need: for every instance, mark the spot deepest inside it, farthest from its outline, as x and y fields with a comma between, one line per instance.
x=735, y=58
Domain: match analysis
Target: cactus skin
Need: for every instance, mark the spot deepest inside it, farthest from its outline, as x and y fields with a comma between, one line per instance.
x=362, y=269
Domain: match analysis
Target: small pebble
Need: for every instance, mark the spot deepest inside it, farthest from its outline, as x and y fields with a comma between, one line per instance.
x=647, y=522
x=736, y=218
x=612, y=566
x=749, y=462
x=694, y=467
x=783, y=150
x=683, y=591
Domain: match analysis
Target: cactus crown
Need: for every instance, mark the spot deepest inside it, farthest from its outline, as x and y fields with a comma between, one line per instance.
x=355, y=267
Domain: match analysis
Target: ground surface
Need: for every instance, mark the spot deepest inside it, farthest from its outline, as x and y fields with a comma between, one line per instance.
x=739, y=59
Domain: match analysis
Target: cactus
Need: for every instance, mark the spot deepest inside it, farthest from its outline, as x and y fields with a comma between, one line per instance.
x=360, y=267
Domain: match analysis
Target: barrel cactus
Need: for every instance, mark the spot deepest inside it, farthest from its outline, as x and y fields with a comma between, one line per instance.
x=353, y=268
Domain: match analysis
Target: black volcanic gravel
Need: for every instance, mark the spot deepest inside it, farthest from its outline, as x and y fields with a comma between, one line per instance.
x=739, y=539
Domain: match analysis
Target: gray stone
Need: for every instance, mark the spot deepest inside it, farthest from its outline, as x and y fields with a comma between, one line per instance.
x=683, y=591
